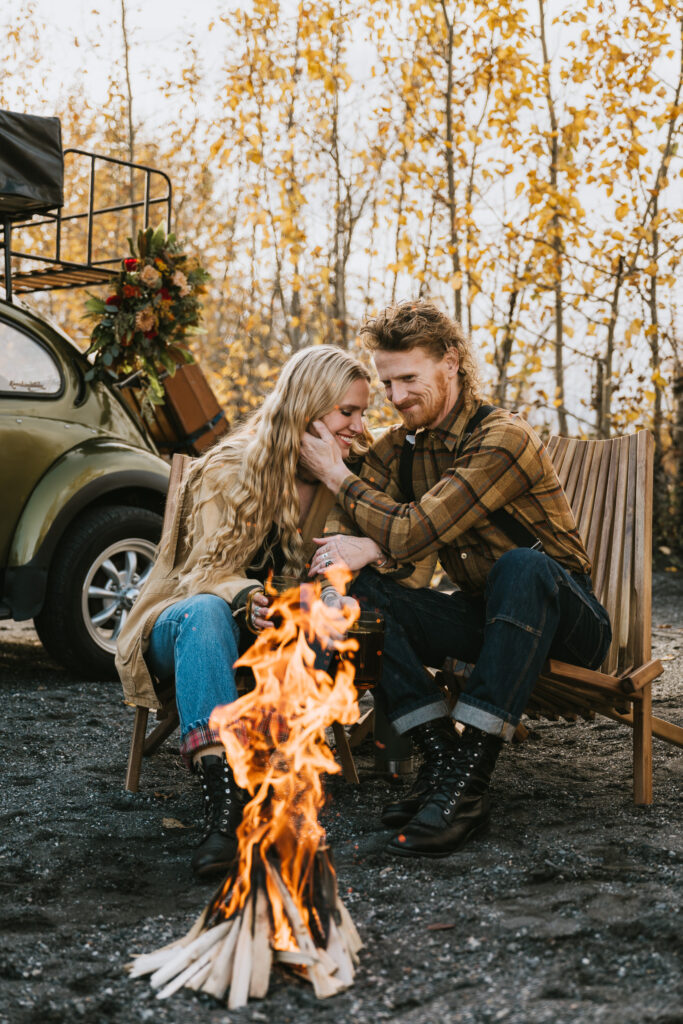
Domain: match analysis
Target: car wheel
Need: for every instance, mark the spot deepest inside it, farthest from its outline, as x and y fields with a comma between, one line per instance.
x=99, y=568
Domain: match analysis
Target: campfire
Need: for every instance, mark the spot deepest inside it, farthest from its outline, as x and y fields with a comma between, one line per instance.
x=279, y=905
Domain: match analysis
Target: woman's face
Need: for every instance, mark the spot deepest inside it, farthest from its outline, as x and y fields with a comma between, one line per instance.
x=345, y=421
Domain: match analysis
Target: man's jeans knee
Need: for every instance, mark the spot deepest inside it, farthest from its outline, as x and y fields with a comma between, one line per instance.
x=532, y=608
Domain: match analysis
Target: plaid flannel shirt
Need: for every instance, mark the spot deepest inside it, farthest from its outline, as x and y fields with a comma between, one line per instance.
x=502, y=464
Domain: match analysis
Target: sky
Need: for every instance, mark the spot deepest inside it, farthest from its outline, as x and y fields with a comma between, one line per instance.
x=83, y=37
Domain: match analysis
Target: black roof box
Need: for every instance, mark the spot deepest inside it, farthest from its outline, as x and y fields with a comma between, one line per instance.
x=31, y=165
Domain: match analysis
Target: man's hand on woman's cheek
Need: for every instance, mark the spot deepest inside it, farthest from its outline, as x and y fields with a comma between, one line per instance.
x=321, y=456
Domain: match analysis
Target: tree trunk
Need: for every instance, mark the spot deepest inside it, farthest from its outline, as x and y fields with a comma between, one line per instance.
x=660, y=510
x=129, y=117
x=557, y=241
x=454, y=241
x=604, y=386
x=677, y=444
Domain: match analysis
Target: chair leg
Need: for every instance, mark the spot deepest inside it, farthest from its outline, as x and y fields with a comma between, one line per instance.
x=159, y=733
x=642, y=747
x=361, y=729
x=345, y=755
x=136, y=748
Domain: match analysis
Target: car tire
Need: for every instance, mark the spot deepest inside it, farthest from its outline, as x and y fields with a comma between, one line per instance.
x=101, y=561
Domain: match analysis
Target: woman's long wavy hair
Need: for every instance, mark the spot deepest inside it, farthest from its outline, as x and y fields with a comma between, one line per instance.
x=254, y=467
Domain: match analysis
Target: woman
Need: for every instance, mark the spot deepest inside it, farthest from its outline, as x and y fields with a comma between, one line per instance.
x=247, y=508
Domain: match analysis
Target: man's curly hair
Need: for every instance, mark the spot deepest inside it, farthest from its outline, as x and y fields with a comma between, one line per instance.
x=421, y=324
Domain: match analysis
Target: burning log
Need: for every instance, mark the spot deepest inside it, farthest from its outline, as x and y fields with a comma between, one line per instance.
x=279, y=904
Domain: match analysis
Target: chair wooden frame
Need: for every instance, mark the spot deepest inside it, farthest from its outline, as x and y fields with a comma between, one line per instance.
x=609, y=486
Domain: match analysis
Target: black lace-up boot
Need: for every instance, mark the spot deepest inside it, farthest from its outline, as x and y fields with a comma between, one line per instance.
x=223, y=805
x=438, y=744
x=457, y=807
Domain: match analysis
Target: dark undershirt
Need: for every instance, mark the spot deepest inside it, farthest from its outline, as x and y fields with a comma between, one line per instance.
x=275, y=562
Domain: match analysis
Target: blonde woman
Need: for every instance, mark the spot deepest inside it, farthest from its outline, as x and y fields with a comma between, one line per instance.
x=248, y=508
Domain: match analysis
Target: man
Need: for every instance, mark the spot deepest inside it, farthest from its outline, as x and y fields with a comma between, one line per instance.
x=479, y=491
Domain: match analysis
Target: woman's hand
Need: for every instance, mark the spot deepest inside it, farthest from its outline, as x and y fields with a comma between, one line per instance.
x=257, y=610
x=353, y=552
x=333, y=599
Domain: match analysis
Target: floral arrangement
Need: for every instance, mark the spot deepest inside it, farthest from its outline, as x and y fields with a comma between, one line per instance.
x=142, y=326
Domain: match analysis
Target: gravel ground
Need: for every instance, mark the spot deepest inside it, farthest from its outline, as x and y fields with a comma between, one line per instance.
x=569, y=909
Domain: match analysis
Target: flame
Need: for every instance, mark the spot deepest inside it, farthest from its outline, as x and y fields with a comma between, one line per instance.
x=274, y=738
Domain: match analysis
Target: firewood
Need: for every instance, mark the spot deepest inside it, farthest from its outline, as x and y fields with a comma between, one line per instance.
x=196, y=982
x=323, y=984
x=339, y=952
x=147, y=963
x=293, y=957
x=218, y=980
x=186, y=977
x=262, y=951
x=353, y=939
x=242, y=964
x=188, y=954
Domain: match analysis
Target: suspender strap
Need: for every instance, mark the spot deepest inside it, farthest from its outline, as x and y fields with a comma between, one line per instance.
x=506, y=523
x=405, y=468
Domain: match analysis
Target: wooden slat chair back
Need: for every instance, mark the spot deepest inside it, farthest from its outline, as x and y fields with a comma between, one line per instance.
x=609, y=487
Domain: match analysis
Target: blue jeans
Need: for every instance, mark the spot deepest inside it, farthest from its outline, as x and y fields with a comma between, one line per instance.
x=532, y=609
x=196, y=641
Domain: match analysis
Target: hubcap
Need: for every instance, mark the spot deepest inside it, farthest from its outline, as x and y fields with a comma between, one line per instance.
x=111, y=586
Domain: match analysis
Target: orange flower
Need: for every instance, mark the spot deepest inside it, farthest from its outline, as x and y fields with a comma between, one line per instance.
x=145, y=320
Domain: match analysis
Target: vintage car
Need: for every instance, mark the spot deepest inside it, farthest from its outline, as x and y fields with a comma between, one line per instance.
x=83, y=492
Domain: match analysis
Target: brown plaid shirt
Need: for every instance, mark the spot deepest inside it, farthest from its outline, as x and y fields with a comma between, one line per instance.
x=502, y=464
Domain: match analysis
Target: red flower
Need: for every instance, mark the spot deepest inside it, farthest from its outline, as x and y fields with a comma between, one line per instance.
x=150, y=334
x=130, y=264
x=165, y=294
x=130, y=291
x=113, y=300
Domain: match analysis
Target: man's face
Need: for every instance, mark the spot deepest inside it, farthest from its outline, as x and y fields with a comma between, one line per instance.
x=421, y=388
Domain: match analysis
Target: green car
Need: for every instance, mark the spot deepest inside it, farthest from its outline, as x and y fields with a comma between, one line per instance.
x=83, y=492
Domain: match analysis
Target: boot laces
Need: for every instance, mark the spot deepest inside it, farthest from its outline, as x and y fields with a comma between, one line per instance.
x=220, y=792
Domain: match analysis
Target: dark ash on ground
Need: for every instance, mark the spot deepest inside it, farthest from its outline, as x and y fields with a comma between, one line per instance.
x=568, y=911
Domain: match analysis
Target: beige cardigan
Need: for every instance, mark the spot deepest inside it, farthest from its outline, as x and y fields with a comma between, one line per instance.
x=162, y=587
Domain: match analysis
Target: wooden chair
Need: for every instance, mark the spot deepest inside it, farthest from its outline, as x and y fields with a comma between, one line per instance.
x=142, y=745
x=609, y=487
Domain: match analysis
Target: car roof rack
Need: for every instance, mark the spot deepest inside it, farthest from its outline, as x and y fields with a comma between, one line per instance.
x=51, y=272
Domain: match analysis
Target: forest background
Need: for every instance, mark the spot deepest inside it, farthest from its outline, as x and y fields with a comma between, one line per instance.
x=517, y=161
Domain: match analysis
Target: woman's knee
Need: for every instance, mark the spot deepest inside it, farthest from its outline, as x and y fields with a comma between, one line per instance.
x=209, y=610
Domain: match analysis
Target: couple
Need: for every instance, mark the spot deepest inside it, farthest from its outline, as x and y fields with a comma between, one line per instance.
x=459, y=481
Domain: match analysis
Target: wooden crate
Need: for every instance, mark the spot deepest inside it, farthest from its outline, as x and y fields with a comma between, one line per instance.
x=190, y=420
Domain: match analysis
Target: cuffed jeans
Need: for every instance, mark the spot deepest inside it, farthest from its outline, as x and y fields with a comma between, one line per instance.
x=196, y=641
x=532, y=609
